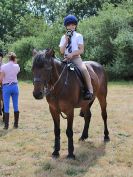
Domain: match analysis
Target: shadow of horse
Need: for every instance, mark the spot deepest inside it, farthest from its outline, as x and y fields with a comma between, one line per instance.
x=87, y=156
x=90, y=152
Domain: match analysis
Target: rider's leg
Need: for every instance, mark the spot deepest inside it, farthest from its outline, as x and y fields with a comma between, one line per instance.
x=78, y=62
x=87, y=78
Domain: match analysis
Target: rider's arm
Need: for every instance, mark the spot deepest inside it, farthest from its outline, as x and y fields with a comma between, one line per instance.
x=76, y=53
x=63, y=44
x=62, y=48
x=79, y=51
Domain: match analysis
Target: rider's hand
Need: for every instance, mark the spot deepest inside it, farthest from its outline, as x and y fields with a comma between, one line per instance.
x=69, y=56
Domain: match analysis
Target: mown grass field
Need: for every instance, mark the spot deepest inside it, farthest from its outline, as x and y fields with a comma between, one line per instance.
x=26, y=152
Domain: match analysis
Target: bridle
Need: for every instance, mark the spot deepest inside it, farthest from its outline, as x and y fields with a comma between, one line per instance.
x=47, y=88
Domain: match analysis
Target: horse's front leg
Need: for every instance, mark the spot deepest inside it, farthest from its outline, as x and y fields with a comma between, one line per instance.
x=69, y=133
x=56, y=119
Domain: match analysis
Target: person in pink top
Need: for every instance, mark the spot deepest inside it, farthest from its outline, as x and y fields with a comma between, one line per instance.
x=9, y=72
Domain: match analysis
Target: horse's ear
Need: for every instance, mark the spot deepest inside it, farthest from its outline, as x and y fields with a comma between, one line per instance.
x=51, y=53
x=34, y=52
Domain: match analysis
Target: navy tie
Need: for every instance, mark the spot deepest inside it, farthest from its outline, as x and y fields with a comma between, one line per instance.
x=69, y=46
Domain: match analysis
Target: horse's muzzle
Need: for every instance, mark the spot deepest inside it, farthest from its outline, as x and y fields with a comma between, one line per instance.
x=38, y=95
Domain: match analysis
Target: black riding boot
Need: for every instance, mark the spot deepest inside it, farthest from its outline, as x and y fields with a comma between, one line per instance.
x=88, y=95
x=6, y=120
x=16, y=118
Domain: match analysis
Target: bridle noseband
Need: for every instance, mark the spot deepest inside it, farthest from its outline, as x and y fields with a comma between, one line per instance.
x=48, y=89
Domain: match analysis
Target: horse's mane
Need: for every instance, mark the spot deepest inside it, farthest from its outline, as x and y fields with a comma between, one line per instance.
x=38, y=61
x=40, y=58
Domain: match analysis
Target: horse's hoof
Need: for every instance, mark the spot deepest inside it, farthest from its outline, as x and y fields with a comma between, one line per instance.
x=83, y=138
x=106, y=139
x=81, y=114
x=55, y=154
x=71, y=156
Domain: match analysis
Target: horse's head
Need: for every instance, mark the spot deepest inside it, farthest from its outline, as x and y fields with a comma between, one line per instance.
x=42, y=66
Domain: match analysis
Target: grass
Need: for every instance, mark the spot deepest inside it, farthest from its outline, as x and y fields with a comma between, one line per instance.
x=27, y=150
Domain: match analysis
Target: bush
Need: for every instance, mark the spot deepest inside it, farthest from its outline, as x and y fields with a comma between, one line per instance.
x=23, y=49
x=123, y=64
x=109, y=40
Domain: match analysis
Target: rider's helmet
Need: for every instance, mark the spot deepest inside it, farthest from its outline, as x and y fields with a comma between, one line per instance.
x=70, y=19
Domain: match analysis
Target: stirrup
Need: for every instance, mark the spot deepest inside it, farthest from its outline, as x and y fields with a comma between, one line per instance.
x=88, y=95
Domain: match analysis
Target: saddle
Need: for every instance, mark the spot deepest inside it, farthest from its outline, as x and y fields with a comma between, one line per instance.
x=73, y=68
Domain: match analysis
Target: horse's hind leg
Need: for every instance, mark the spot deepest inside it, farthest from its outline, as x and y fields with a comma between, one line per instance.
x=56, y=119
x=103, y=104
x=87, y=118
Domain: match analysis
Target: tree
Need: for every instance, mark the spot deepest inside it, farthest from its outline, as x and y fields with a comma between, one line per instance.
x=53, y=10
x=10, y=13
x=30, y=25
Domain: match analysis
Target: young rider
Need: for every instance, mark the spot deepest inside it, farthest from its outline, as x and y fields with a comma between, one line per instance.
x=72, y=46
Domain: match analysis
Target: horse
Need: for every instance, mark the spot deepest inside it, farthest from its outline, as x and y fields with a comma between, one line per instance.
x=62, y=88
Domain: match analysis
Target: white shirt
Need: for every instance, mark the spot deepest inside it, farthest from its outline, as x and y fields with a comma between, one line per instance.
x=10, y=71
x=76, y=39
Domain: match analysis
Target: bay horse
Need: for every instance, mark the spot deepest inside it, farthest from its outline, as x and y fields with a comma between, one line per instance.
x=63, y=90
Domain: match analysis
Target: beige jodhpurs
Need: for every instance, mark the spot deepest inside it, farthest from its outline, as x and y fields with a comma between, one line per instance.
x=79, y=63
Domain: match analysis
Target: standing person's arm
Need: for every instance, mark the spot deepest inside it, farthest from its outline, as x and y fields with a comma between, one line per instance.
x=17, y=68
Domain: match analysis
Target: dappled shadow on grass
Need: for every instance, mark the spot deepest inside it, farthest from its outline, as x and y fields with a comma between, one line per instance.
x=87, y=156
x=89, y=152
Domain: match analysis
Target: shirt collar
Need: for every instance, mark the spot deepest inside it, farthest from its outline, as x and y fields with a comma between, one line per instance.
x=11, y=61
